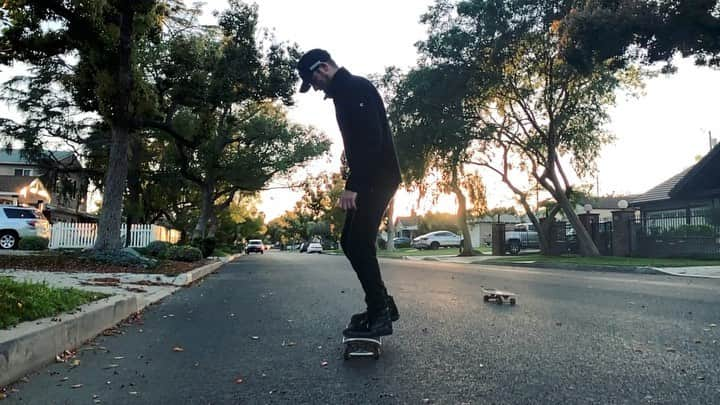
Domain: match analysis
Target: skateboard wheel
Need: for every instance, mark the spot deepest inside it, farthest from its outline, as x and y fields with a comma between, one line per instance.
x=512, y=301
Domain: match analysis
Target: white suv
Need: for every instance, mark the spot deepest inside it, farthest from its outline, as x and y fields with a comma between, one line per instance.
x=434, y=240
x=20, y=222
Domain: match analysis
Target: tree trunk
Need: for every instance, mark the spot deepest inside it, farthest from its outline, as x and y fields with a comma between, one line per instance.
x=108, y=233
x=466, y=249
x=391, y=225
x=206, y=211
x=133, y=210
x=585, y=242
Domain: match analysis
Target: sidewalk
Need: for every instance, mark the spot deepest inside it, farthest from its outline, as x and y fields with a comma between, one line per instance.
x=31, y=345
x=693, y=271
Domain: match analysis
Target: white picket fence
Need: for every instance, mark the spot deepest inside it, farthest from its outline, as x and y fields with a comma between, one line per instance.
x=66, y=235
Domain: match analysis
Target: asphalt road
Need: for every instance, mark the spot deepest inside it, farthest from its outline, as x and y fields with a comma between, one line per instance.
x=261, y=329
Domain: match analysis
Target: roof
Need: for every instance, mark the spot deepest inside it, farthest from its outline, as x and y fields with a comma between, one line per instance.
x=662, y=190
x=14, y=183
x=407, y=221
x=702, y=179
x=14, y=156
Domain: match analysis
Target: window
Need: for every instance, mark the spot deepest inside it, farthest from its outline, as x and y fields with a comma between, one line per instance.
x=23, y=172
x=15, y=213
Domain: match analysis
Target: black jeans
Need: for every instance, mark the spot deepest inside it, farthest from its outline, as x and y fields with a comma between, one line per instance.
x=358, y=240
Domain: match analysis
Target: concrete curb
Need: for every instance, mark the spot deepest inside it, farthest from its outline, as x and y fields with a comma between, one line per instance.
x=581, y=267
x=34, y=344
x=191, y=276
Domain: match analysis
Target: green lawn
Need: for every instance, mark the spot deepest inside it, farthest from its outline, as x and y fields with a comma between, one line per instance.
x=22, y=301
x=606, y=260
x=400, y=252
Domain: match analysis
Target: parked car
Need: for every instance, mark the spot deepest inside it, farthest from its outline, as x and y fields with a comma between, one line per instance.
x=19, y=222
x=314, y=247
x=436, y=239
x=255, y=245
x=303, y=247
x=523, y=236
x=402, y=241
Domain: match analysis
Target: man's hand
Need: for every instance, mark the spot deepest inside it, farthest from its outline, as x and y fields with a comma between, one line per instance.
x=347, y=200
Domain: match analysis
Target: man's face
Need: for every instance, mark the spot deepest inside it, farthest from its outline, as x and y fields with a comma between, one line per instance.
x=321, y=77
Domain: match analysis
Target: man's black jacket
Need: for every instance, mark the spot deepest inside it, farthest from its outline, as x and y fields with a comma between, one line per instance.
x=369, y=147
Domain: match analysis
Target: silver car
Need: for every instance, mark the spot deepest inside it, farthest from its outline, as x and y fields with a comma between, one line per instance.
x=437, y=239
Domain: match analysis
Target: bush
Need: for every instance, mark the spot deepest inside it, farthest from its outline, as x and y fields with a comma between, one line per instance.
x=184, y=253
x=690, y=231
x=33, y=243
x=206, y=245
x=123, y=258
x=158, y=249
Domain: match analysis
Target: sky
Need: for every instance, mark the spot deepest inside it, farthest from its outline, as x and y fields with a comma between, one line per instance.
x=657, y=134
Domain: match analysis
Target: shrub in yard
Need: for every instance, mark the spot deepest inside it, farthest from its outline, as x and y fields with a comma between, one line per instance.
x=158, y=249
x=121, y=258
x=206, y=245
x=33, y=243
x=184, y=253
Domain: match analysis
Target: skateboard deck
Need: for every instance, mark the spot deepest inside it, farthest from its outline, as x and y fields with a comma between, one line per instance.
x=491, y=294
x=362, y=347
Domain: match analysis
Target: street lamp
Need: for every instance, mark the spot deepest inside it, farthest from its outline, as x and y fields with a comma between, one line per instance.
x=622, y=204
x=588, y=208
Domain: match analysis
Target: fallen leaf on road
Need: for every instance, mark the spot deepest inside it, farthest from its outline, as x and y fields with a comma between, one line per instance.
x=76, y=386
x=324, y=363
x=178, y=349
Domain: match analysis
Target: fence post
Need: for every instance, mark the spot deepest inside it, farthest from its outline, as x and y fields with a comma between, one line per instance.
x=622, y=243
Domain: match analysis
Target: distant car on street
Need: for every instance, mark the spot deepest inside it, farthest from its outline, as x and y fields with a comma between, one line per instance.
x=315, y=247
x=436, y=239
x=255, y=245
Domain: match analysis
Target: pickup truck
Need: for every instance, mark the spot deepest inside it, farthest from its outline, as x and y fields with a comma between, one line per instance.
x=522, y=236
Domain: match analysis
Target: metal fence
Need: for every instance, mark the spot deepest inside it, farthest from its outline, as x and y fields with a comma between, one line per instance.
x=678, y=235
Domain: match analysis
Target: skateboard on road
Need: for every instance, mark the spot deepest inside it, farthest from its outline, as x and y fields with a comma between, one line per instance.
x=362, y=347
x=499, y=296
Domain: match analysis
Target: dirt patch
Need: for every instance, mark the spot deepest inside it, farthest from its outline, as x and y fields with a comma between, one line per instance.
x=76, y=263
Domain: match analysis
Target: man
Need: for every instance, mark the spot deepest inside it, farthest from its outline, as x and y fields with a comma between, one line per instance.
x=374, y=175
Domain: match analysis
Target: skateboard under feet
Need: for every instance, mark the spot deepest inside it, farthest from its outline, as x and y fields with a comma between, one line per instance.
x=491, y=294
x=362, y=347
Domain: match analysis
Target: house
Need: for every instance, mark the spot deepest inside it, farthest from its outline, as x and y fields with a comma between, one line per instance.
x=407, y=226
x=58, y=174
x=481, y=228
x=691, y=193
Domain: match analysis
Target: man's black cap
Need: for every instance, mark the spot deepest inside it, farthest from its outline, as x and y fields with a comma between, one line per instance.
x=308, y=63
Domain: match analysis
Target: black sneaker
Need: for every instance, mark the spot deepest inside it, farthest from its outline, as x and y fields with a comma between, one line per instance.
x=357, y=319
x=376, y=325
x=394, y=314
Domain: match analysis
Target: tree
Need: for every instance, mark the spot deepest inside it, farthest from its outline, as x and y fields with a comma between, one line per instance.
x=649, y=31
x=432, y=136
x=527, y=108
x=220, y=94
x=102, y=38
